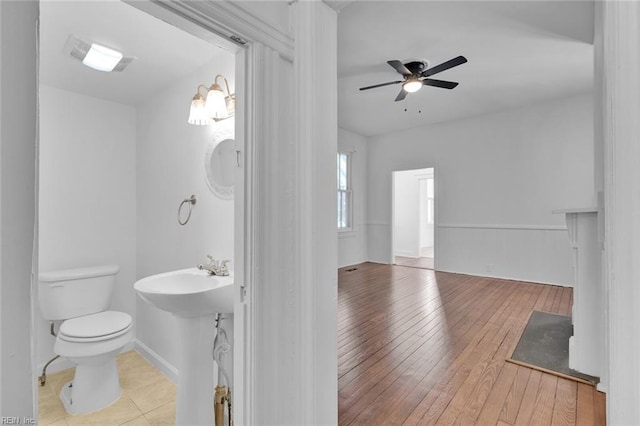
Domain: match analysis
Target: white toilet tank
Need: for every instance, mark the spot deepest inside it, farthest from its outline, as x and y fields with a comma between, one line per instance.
x=76, y=292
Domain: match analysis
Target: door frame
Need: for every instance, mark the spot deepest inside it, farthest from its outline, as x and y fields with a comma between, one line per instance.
x=285, y=306
x=238, y=31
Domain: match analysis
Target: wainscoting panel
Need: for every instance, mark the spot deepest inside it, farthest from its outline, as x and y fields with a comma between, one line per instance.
x=534, y=253
x=528, y=253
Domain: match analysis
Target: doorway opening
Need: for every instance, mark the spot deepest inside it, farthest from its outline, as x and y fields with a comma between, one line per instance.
x=126, y=141
x=414, y=236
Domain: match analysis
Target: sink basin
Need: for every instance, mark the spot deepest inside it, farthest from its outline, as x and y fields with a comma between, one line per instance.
x=188, y=292
x=193, y=297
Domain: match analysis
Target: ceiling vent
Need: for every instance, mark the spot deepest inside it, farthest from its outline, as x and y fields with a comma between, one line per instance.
x=96, y=56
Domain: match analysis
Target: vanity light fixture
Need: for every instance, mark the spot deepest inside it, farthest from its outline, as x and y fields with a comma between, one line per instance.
x=215, y=107
x=95, y=55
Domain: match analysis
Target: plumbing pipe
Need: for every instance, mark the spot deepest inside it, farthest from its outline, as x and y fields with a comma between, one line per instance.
x=219, y=402
x=43, y=378
x=221, y=346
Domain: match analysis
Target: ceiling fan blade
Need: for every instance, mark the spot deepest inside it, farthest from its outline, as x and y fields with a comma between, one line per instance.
x=399, y=66
x=439, y=83
x=380, y=85
x=403, y=94
x=444, y=66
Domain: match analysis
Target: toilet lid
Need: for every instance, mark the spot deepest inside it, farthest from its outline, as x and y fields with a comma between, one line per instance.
x=96, y=325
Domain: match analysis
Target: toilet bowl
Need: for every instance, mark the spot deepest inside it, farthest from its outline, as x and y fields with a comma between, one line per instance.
x=92, y=343
x=90, y=335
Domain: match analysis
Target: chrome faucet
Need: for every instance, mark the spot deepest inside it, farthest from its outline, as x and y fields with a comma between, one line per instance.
x=215, y=267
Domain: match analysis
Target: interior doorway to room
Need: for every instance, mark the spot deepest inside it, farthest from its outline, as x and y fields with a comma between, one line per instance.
x=88, y=114
x=414, y=236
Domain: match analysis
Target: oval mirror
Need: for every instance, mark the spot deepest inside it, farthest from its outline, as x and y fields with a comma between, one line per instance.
x=220, y=162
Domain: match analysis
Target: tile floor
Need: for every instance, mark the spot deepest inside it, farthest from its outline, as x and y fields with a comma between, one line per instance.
x=148, y=398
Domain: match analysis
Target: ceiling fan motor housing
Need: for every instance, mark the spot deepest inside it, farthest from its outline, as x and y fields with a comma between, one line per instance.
x=416, y=67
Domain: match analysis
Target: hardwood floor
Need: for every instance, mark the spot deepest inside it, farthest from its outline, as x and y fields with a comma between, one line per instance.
x=418, y=347
x=415, y=262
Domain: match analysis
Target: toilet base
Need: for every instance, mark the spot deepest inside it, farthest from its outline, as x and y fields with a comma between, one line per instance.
x=93, y=388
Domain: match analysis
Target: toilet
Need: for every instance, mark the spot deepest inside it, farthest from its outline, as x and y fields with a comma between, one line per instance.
x=90, y=335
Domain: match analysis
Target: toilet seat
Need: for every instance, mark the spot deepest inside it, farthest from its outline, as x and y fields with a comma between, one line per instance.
x=95, y=327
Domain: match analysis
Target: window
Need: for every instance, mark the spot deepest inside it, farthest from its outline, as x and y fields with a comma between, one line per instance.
x=344, y=191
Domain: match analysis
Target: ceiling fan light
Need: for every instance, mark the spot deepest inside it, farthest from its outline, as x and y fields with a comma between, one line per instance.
x=412, y=86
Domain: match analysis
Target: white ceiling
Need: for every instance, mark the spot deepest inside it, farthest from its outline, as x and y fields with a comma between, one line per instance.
x=519, y=53
x=164, y=53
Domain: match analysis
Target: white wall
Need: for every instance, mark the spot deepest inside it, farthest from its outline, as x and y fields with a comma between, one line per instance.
x=87, y=193
x=498, y=177
x=352, y=245
x=18, y=89
x=170, y=168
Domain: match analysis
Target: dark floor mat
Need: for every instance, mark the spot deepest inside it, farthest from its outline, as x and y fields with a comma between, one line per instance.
x=545, y=344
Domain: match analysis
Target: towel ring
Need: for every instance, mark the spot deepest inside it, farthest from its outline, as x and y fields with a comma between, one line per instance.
x=191, y=201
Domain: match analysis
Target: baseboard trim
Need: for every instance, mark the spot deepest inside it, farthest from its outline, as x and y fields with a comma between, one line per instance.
x=450, y=271
x=502, y=277
x=359, y=262
x=157, y=361
x=405, y=253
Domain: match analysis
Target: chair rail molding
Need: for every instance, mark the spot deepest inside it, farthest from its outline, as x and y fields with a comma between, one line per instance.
x=504, y=226
x=620, y=26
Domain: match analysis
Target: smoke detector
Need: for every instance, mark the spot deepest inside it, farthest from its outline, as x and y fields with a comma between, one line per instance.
x=96, y=56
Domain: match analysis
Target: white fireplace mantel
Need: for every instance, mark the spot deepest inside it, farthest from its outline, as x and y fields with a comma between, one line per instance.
x=586, y=347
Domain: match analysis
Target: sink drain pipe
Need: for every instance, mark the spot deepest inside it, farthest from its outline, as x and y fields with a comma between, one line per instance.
x=221, y=347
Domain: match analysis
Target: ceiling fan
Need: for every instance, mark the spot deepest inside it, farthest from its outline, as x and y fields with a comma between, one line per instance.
x=415, y=74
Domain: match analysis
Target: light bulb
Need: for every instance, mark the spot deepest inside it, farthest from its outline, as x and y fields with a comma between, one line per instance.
x=215, y=104
x=198, y=113
x=412, y=85
x=102, y=58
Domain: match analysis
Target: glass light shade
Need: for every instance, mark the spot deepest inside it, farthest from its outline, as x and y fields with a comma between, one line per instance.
x=198, y=114
x=412, y=86
x=102, y=58
x=216, y=105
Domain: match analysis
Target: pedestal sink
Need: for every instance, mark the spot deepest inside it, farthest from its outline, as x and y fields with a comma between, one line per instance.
x=193, y=297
